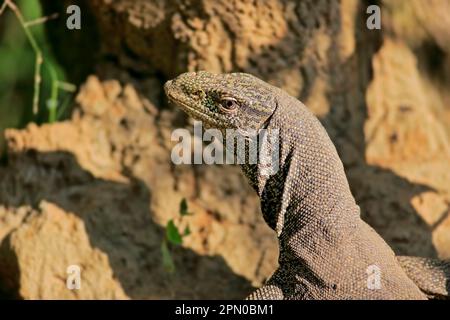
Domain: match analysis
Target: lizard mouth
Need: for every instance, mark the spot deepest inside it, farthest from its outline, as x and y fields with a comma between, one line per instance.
x=196, y=114
x=171, y=90
x=188, y=105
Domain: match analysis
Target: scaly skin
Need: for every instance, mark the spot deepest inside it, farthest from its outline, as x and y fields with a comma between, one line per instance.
x=326, y=250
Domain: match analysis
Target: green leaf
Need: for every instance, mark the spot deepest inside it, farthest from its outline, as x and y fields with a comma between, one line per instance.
x=184, y=208
x=172, y=233
x=187, y=231
x=168, y=263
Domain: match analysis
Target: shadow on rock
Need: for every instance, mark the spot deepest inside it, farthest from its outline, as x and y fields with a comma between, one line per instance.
x=118, y=222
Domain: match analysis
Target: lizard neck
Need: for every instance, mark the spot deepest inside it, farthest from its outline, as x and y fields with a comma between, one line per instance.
x=309, y=196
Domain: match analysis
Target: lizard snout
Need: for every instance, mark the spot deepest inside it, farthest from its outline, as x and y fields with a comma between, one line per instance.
x=167, y=86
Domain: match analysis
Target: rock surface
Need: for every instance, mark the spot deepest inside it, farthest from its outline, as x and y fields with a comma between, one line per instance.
x=98, y=189
x=47, y=243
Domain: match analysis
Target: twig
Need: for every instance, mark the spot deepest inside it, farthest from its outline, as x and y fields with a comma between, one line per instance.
x=41, y=20
x=69, y=87
x=3, y=7
x=56, y=84
x=37, y=51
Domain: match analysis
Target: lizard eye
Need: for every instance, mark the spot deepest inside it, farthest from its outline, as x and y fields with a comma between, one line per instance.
x=228, y=104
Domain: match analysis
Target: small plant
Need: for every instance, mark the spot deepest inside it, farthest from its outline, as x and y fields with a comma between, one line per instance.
x=41, y=60
x=174, y=237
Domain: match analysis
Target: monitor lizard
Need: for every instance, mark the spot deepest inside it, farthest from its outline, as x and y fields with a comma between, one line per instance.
x=326, y=250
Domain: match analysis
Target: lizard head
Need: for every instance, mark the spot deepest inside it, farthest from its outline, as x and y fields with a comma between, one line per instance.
x=223, y=101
